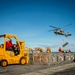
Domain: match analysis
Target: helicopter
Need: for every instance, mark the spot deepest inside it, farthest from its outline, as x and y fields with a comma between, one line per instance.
x=59, y=31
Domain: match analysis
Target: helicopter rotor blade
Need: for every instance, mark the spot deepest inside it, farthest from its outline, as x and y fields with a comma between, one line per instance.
x=52, y=26
x=68, y=25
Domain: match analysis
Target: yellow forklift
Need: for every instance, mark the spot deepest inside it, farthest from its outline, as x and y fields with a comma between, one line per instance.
x=7, y=56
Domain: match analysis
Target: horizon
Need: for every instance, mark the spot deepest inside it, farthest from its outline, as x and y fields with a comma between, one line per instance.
x=30, y=20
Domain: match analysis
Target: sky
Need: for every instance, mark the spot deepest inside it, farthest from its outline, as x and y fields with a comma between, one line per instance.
x=30, y=20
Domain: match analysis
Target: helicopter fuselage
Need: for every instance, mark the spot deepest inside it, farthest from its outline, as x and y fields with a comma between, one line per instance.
x=59, y=31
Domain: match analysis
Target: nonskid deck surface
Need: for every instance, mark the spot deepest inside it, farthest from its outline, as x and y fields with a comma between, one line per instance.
x=38, y=69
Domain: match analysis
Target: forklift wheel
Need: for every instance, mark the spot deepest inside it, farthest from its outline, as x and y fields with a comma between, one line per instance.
x=4, y=63
x=22, y=61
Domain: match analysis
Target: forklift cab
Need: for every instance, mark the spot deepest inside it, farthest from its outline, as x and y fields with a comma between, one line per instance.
x=4, y=40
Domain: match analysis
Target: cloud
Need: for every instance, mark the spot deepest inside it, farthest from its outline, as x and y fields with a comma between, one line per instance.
x=51, y=46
